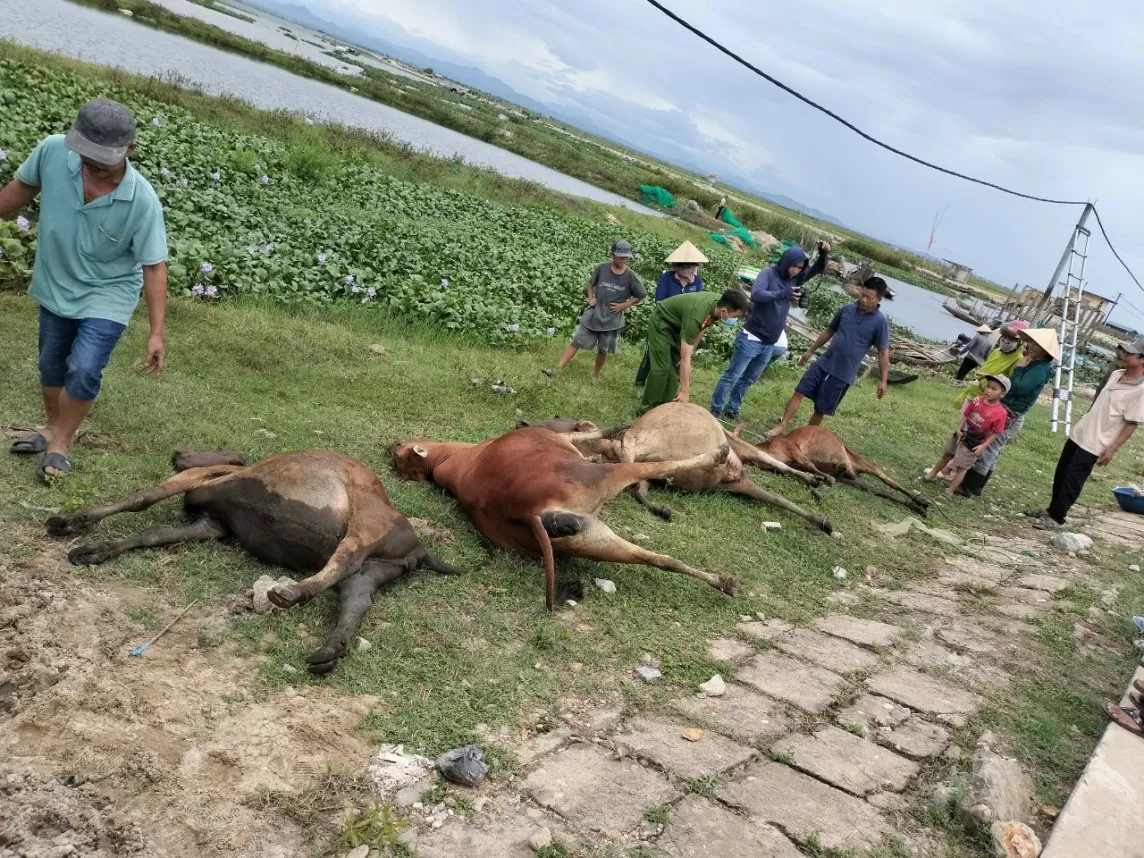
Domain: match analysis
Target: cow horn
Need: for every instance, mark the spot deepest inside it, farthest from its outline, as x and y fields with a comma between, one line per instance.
x=421, y=451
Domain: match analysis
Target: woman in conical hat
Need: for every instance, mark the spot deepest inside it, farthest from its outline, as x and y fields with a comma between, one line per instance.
x=1001, y=361
x=682, y=277
x=1027, y=380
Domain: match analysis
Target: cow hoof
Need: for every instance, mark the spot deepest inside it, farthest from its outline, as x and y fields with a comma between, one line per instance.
x=728, y=585
x=285, y=595
x=816, y=493
x=662, y=511
x=723, y=453
x=66, y=525
x=827, y=527
x=323, y=660
x=829, y=480
x=89, y=554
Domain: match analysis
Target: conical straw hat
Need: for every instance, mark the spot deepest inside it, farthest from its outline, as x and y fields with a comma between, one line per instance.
x=687, y=254
x=984, y=329
x=1046, y=338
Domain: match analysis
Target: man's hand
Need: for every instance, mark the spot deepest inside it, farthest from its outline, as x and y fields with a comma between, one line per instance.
x=881, y=389
x=682, y=396
x=591, y=302
x=156, y=354
x=1105, y=457
x=824, y=246
x=807, y=355
x=979, y=449
x=1024, y=361
x=618, y=307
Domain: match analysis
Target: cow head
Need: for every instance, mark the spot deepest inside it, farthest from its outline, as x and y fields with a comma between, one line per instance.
x=411, y=459
x=559, y=424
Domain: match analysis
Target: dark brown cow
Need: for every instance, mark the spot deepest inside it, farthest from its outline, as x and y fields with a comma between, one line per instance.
x=818, y=451
x=531, y=490
x=313, y=511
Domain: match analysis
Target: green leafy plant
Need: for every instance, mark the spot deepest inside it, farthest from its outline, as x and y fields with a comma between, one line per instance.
x=372, y=826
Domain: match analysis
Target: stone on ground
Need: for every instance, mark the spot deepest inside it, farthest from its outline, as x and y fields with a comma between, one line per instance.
x=856, y=630
x=808, y=687
x=973, y=639
x=662, y=742
x=998, y=791
x=869, y=712
x=585, y=784
x=743, y=715
x=1047, y=583
x=1014, y=840
x=1020, y=610
x=805, y=808
x=697, y=828
x=916, y=738
x=714, y=687
x=541, y=744
x=846, y=761
x=826, y=651
x=923, y=693
x=540, y=839
x=1071, y=541
x=764, y=630
x=729, y=649
x=921, y=602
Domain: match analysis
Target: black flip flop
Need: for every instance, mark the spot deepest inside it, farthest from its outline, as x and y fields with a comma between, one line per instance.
x=53, y=460
x=29, y=444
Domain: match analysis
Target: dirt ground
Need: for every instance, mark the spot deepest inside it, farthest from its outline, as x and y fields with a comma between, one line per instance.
x=107, y=754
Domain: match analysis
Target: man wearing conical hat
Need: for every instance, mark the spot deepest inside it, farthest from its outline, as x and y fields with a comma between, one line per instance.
x=680, y=279
x=1028, y=379
x=976, y=351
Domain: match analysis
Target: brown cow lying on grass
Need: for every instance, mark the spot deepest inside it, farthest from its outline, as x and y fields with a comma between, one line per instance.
x=819, y=451
x=670, y=432
x=313, y=511
x=531, y=490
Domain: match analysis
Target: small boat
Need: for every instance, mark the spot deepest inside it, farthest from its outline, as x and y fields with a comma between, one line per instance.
x=961, y=313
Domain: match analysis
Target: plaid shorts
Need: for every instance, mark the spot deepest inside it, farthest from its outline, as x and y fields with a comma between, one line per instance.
x=961, y=457
x=601, y=341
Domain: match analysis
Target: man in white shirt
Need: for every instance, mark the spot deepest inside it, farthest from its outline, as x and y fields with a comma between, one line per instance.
x=1115, y=413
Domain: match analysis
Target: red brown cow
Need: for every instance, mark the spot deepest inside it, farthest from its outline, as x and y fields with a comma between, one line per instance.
x=818, y=451
x=314, y=511
x=531, y=490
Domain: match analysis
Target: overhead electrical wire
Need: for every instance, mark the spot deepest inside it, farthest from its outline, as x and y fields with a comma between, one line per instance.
x=870, y=138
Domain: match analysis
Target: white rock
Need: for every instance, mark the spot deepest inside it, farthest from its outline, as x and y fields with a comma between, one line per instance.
x=479, y=804
x=771, y=525
x=606, y=585
x=571, y=603
x=1072, y=541
x=714, y=687
x=839, y=573
x=262, y=603
x=1134, y=568
x=539, y=839
x=363, y=644
x=289, y=668
x=648, y=674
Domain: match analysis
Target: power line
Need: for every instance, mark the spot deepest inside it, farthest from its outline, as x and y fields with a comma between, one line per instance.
x=812, y=103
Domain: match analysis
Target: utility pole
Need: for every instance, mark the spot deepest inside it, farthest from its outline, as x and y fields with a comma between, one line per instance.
x=1119, y=295
x=1065, y=257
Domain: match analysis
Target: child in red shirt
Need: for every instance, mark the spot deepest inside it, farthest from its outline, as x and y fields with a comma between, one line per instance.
x=983, y=419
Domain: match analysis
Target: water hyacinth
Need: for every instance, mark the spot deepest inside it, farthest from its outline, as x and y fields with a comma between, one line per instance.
x=217, y=176
x=164, y=172
x=265, y=180
x=206, y=268
x=3, y=155
x=23, y=223
x=371, y=292
x=183, y=182
x=355, y=289
x=212, y=291
x=270, y=248
x=552, y=332
x=513, y=328
x=350, y=280
x=321, y=258
x=197, y=289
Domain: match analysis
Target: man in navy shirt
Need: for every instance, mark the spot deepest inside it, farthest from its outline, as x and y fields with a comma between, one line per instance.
x=681, y=279
x=853, y=330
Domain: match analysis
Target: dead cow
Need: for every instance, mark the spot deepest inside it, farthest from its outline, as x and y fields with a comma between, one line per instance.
x=674, y=431
x=531, y=490
x=314, y=511
x=819, y=451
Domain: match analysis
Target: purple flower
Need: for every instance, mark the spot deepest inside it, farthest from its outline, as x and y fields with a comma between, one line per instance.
x=350, y=280
x=365, y=300
x=513, y=328
x=371, y=292
x=164, y=172
x=321, y=258
x=1, y=252
x=197, y=289
x=265, y=180
x=206, y=268
x=156, y=121
x=270, y=248
x=23, y=223
x=212, y=291
x=183, y=182
x=252, y=250
x=216, y=176
x=552, y=332
x=3, y=155
x=355, y=289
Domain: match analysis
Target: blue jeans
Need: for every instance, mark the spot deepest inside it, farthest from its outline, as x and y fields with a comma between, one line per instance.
x=747, y=364
x=74, y=353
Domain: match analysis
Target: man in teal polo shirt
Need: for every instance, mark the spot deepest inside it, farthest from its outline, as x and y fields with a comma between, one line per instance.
x=101, y=240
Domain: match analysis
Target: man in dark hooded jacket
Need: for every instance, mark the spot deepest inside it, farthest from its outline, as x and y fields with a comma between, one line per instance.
x=771, y=296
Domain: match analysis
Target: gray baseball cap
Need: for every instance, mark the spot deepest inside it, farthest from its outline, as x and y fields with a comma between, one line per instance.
x=1134, y=348
x=621, y=248
x=1002, y=380
x=103, y=130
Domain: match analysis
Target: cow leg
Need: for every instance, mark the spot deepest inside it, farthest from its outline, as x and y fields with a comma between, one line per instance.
x=640, y=493
x=751, y=454
x=862, y=465
x=91, y=553
x=69, y=523
x=596, y=541
x=748, y=488
x=344, y=562
x=624, y=474
x=912, y=502
x=355, y=597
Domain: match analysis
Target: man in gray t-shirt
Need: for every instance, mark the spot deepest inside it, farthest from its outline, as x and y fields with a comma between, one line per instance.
x=612, y=289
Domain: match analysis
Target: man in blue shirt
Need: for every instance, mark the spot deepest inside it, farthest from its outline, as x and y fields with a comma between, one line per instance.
x=853, y=330
x=101, y=241
x=681, y=279
x=771, y=297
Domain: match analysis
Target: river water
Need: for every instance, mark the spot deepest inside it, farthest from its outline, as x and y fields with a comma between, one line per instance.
x=115, y=40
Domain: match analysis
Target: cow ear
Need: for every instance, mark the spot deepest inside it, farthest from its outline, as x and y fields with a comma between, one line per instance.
x=421, y=451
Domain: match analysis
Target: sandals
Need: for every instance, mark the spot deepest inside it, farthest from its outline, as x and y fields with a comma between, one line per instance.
x=29, y=444
x=1127, y=717
x=53, y=460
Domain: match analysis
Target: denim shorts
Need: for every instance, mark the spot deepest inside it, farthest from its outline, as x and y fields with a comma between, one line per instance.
x=822, y=388
x=586, y=339
x=74, y=353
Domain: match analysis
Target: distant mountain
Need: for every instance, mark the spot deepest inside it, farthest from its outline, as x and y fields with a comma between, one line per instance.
x=787, y=202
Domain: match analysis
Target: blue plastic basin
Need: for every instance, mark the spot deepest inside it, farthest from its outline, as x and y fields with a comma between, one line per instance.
x=1128, y=501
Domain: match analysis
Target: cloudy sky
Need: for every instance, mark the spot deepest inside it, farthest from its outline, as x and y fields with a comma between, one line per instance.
x=1038, y=95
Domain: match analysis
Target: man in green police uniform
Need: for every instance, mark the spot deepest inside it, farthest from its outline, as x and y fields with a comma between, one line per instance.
x=101, y=240
x=676, y=328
